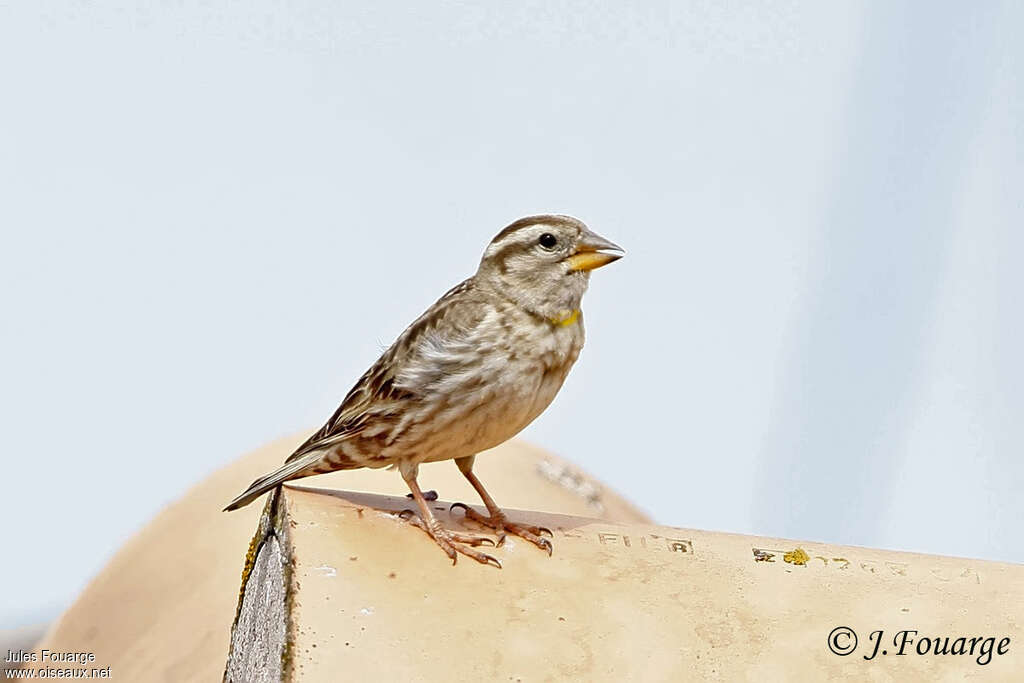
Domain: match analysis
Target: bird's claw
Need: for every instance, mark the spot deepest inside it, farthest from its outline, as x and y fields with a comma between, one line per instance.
x=501, y=525
x=454, y=548
x=452, y=542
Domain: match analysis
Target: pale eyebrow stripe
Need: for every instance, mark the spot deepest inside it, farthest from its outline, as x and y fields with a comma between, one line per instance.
x=519, y=237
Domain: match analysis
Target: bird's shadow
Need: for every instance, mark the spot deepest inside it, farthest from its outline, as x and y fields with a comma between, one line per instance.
x=395, y=505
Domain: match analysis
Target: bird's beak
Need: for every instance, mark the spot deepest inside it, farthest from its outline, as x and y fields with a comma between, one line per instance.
x=591, y=252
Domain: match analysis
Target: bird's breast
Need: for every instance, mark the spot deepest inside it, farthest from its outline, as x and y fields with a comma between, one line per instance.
x=514, y=382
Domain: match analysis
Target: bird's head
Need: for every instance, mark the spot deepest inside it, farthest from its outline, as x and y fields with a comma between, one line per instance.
x=543, y=263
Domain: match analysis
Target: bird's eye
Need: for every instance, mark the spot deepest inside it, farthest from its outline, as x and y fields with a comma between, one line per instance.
x=548, y=241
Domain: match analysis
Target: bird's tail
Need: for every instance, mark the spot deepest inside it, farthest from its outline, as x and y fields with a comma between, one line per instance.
x=289, y=470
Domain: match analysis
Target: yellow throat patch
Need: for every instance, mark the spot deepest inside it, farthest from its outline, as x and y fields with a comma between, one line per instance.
x=566, y=320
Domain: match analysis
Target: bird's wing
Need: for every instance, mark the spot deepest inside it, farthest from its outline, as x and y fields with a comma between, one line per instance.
x=451, y=321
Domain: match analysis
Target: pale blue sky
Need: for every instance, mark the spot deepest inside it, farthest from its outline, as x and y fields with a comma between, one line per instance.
x=215, y=214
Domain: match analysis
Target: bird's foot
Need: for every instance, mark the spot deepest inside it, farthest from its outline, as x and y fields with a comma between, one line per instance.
x=499, y=522
x=452, y=542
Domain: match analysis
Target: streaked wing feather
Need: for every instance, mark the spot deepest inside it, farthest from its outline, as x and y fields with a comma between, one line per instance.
x=375, y=392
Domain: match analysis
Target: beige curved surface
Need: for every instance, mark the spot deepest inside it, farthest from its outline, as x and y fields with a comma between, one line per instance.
x=364, y=594
x=358, y=592
x=162, y=609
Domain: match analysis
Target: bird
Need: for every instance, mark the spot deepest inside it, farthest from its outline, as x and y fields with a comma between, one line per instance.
x=470, y=373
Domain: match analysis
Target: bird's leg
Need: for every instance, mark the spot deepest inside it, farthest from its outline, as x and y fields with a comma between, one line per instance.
x=451, y=542
x=497, y=519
